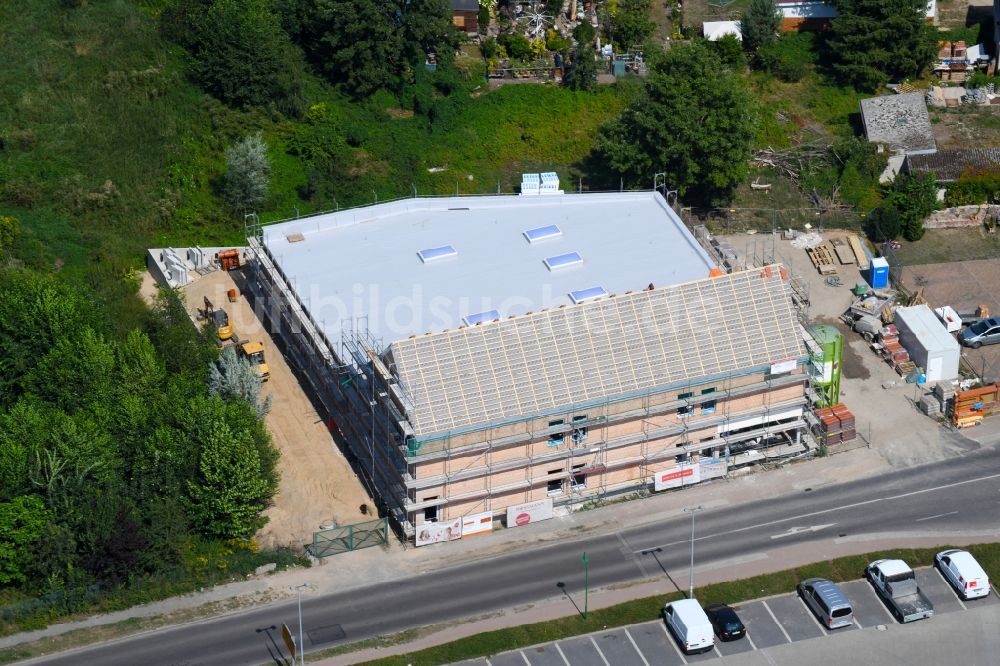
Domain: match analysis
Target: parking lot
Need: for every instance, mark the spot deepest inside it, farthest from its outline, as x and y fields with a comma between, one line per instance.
x=770, y=622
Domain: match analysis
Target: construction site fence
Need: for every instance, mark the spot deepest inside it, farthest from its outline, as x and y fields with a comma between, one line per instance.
x=346, y=538
x=770, y=220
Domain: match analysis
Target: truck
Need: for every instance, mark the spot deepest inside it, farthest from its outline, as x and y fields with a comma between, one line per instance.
x=894, y=581
x=253, y=352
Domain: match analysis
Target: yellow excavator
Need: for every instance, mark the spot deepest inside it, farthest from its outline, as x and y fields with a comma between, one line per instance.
x=219, y=319
x=254, y=353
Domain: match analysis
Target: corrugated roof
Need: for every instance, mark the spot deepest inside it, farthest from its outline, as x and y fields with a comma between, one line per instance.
x=599, y=349
x=899, y=121
x=949, y=165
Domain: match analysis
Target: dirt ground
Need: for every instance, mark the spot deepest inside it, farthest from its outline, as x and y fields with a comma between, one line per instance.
x=317, y=483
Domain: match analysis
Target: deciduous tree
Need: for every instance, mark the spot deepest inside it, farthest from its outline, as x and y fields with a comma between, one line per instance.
x=22, y=521
x=581, y=74
x=695, y=122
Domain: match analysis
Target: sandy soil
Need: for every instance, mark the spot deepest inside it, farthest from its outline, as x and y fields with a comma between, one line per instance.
x=317, y=483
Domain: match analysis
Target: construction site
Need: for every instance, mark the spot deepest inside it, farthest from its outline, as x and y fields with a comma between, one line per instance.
x=493, y=358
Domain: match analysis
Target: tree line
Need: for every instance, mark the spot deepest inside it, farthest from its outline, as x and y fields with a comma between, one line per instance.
x=118, y=458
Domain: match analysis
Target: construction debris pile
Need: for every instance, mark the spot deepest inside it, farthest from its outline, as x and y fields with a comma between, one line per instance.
x=836, y=425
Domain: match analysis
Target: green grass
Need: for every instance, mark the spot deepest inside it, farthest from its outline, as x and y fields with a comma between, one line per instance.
x=649, y=608
x=940, y=246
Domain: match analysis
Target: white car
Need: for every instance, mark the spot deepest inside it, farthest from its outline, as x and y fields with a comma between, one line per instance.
x=963, y=572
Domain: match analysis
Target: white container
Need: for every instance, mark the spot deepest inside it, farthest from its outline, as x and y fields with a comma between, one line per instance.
x=930, y=345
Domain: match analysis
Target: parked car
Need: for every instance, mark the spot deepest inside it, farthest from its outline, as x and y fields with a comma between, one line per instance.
x=963, y=572
x=725, y=621
x=828, y=602
x=985, y=332
x=896, y=583
x=689, y=625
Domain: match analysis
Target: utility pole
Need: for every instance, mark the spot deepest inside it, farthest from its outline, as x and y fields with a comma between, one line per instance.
x=302, y=647
x=586, y=582
x=692, y=511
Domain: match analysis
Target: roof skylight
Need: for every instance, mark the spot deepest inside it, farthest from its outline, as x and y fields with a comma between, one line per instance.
x=480, y=317
x=435, y=253
x=563, y=261
x=542, y=233
x=589, y=294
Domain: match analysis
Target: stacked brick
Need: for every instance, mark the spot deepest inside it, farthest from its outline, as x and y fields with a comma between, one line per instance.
x=894, y=352
x=836, y=424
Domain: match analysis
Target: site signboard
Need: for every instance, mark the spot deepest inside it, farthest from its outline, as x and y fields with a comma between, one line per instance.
x=683, y=474
x=477, y=523
x=529, y=512
x=428, y=533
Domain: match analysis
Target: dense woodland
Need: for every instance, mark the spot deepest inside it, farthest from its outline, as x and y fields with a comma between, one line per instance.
x=138, y=123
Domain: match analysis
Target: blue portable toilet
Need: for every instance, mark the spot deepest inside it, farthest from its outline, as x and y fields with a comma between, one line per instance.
x=878, y=273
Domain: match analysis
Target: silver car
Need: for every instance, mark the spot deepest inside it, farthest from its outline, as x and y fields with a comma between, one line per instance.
x=828, y=602
x=985, y=332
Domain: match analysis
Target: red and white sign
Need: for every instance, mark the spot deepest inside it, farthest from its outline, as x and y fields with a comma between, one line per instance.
x=783, y=367
x=477, y=523
x=530, y=512
x=682, y=475
x=428, y=533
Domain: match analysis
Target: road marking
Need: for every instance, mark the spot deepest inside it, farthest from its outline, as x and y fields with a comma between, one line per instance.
x=881, y=603
x=858, y=624
x=632, y=641
x=940, y=515
x=670, y=639
x=773, y=617
x=525, y=657
x=811, y=615
x=599, y=653
x=716, y=648
x=559, y=650
x=750, y=640
x=798, y=530
x=950, y=587
x=822, y=512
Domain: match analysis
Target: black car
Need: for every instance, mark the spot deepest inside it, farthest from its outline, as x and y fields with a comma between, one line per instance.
x=727, y=624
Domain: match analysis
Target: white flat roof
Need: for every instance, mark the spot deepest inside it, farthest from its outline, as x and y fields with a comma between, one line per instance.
x=428, y=264
x=927, y=328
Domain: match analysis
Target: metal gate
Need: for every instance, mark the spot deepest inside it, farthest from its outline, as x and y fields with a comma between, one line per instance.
x=350, y=537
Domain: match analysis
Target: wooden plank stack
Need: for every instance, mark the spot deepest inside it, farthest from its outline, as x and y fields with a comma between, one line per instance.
x=837, y=424
x=822, y=260
x=859, y=252
x=972, y=406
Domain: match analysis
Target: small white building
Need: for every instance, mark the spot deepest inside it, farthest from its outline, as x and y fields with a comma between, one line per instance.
x=930, y=344
x=716, y=30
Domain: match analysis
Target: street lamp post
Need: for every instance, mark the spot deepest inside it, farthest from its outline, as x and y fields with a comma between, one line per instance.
x=586, y=582
x=692, y=511
x=302, y=651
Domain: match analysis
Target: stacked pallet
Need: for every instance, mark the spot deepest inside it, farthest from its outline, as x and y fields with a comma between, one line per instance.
x=894, y=352
x=836, y=424
x=975, y=404
x=822, y=259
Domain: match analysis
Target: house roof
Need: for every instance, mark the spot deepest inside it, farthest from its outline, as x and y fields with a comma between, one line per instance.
x=607, y=348
x=465, y=5
x=949, y=165
x=899, y=121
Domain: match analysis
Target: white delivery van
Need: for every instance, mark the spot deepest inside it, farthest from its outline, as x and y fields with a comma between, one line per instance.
x=689, y=625
x=962, y=570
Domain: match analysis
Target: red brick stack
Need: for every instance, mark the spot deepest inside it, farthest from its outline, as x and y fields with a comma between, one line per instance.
x=836, y=424
x=895, y=353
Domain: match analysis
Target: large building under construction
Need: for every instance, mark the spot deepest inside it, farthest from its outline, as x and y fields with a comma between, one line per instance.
x=480, y=354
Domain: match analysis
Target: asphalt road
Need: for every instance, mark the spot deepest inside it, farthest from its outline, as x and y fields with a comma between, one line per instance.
x=959, y=495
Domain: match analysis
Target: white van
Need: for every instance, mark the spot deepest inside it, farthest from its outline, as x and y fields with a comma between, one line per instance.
x=689, y=625
x=963, y=572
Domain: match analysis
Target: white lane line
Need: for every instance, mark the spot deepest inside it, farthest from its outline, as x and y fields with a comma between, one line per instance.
x=599, y=653
x=632, y=641
x=940, y=515
x=950, y=587
x=488, y=662
x=811, y=615
x=881, y=604
x=525, y=657
x=716, y=648
x=826, y=511
x=670, y=639
x=773, y=617
x=559, y=650
x=752, y=644
x=858, y=624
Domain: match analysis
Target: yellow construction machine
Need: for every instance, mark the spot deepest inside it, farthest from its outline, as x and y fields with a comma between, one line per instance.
x=219, y=319
x=254, y=353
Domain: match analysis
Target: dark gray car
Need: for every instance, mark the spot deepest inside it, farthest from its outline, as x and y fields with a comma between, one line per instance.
x=985, y=332
x=828, y=602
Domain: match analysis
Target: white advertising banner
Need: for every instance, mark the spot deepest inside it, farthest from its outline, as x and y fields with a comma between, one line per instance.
x=429, y=533
x=783, y=367
x=477, y=523
x=529, y=512
x=712, y=468
x=682, y=475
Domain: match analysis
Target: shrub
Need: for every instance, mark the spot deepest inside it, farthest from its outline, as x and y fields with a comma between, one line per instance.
x=517, y=46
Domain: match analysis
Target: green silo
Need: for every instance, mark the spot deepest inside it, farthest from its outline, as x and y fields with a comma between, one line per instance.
x=826, y=363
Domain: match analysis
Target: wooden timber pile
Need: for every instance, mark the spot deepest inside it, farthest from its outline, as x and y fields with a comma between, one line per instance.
x=822, y=259
x=972, y=406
